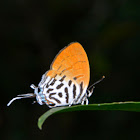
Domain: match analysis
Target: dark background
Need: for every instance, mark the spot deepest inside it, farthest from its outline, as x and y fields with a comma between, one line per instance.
x=33, y=32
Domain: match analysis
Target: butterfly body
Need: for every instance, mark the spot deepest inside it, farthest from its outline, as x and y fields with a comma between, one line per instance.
x=67, y=80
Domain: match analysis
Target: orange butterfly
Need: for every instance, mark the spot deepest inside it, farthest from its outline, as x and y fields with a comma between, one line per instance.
x=67, y=80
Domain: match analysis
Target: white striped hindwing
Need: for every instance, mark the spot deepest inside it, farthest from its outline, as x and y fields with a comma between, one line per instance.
x=60, y=91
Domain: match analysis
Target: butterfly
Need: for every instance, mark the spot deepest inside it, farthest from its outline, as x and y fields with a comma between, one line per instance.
x=66, y=83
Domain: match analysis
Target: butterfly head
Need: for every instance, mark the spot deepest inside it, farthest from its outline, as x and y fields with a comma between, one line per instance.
x=40, y=97
x=36, y=92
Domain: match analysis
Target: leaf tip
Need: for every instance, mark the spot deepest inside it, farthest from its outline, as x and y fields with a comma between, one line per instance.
x=39, y=124
x=40, y=127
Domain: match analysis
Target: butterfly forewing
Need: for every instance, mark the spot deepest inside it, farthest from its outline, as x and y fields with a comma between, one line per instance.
x=72, y=61
x=67, y=80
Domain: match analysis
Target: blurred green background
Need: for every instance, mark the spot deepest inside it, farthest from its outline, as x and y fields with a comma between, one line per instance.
x=33, y=32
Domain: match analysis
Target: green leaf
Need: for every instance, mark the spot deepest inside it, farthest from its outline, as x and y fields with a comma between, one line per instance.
x=122, y=106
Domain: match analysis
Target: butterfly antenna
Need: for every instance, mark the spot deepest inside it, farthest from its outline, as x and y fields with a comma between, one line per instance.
x=29, y=95
x=103, y=77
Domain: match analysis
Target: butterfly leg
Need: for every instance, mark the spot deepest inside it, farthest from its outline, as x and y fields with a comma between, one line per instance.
x=72, y=102
x=85, y=100
x=90, y=92
x=86, y=96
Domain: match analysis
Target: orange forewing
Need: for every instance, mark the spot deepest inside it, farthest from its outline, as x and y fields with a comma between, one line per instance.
x=72, y=61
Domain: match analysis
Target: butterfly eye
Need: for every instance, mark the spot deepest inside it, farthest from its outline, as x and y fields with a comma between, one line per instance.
x=39, y=90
